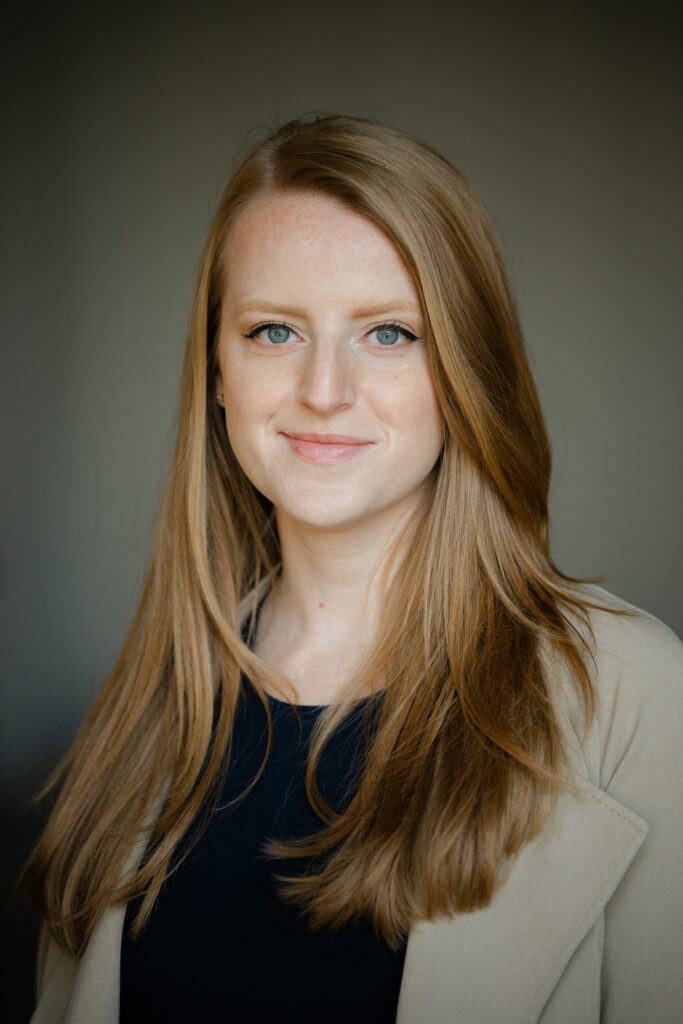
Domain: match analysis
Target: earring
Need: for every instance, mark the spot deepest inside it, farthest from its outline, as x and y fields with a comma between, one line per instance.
x=220, y=399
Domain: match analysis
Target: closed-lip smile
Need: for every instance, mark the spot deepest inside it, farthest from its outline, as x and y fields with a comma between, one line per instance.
x=326, y=448
x=328, y=438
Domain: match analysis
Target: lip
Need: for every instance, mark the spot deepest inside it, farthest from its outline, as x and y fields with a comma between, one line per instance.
x=323, y=449
x=328, y=438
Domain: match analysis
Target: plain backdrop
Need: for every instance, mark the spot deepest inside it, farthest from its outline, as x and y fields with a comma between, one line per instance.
x=122, y=124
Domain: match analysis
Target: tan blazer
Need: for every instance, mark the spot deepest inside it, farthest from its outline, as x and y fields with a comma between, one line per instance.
x=588, y=926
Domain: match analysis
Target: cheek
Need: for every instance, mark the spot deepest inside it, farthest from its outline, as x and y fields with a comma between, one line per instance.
x=253, y=397
x=242, y=408
x=414, y=413
x=249, y=397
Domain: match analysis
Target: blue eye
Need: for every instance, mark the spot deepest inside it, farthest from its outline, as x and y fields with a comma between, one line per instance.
x=388, y=334
x=277, y=334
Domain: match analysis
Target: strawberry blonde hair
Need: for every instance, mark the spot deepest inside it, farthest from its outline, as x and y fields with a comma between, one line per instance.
x=463, y=747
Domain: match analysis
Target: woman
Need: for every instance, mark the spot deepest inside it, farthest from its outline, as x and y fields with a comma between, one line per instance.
x=367, y=753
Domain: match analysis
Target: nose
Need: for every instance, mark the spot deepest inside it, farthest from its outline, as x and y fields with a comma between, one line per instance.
x=327, y=384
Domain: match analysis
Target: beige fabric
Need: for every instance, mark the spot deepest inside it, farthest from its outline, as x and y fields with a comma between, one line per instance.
x=588, y=927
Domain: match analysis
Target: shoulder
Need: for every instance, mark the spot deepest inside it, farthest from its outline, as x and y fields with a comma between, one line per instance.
x=635, y=658
x=629, y=650
x=630, y=637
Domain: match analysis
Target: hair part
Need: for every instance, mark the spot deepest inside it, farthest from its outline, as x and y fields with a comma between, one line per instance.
x=464, y=751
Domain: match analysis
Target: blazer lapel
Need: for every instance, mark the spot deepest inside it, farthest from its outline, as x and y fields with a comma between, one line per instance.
x=499, y=965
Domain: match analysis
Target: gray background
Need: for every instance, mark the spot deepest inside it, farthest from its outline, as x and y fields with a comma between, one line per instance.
x=121, y=127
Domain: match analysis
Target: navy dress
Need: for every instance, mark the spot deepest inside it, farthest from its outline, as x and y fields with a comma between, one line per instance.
x=220, y=944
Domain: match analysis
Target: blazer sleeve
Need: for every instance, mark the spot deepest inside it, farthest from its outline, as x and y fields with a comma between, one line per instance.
x=640, y=720
x=55, y=977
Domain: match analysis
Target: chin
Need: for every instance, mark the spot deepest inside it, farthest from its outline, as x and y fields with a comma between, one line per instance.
x=323, y=516
x=326, y=521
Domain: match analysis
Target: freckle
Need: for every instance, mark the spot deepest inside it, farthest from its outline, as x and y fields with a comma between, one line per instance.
x=320, y=605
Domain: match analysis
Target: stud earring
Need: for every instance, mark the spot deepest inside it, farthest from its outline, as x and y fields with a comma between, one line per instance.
x=220, y=399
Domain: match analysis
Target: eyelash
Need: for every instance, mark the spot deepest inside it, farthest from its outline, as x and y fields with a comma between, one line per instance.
x=394, y=326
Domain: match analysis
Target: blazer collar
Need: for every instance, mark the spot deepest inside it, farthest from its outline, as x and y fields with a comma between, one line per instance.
x=501, y=964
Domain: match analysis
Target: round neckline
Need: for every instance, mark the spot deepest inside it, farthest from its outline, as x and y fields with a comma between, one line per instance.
x=299, y=707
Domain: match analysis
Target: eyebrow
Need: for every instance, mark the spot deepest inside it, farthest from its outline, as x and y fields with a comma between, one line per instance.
x=398, y=306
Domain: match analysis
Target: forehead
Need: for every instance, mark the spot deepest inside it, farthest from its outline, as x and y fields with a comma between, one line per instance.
x=306, y=240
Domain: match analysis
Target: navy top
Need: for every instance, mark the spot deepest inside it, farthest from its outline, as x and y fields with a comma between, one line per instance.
x=220, y=943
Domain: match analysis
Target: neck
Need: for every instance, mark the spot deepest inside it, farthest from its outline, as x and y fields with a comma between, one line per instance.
x=327, y=605
x=337, y=575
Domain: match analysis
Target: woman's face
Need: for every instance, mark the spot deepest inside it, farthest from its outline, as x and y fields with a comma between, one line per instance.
x=329, y=405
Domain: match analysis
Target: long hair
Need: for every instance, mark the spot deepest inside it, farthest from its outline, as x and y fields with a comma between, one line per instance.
x=464, y=754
